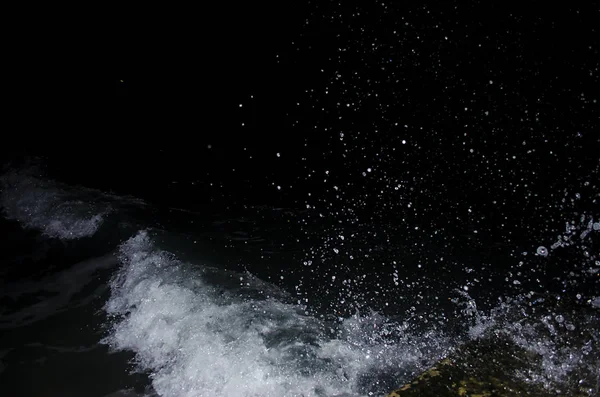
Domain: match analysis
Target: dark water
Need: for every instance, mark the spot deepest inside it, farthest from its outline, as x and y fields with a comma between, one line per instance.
x=107, y=294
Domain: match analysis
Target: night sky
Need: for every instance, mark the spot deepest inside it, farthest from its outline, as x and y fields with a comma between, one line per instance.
x=472, y=119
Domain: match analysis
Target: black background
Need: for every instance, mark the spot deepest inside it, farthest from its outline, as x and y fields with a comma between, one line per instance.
x=147, y=101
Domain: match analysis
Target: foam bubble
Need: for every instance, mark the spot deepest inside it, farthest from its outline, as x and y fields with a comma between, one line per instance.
x=542, y=251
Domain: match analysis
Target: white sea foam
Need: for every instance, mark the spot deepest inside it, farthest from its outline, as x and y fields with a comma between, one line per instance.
x=199, y=339
x=55, y=210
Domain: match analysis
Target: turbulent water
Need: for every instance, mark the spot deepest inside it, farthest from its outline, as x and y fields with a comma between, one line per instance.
x=105, y=295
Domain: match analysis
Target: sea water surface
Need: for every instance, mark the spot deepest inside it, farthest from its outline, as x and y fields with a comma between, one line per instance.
x=107, y=295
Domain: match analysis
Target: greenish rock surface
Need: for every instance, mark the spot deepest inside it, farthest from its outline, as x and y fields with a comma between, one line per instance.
x=488, y=367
